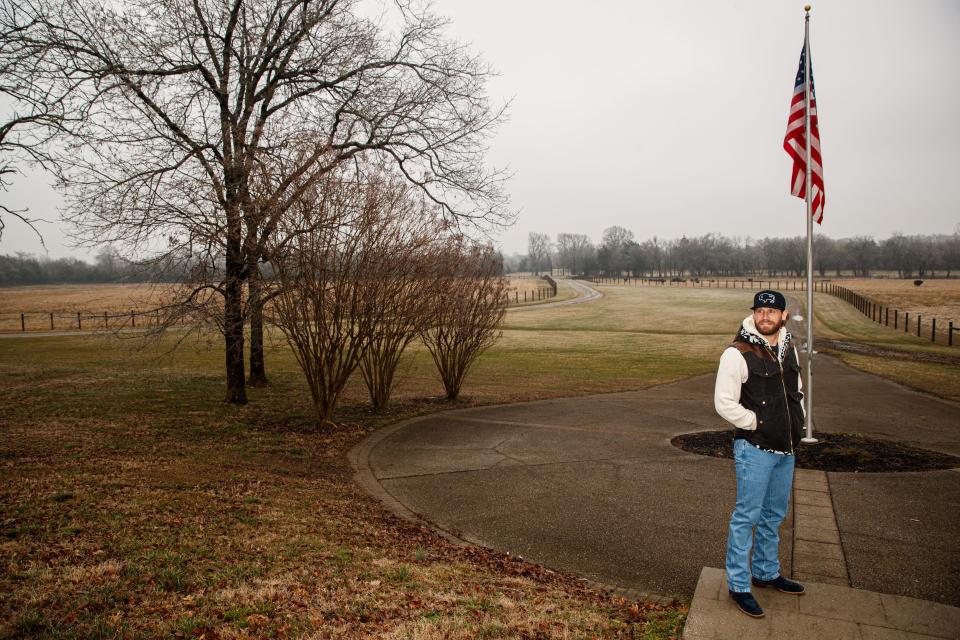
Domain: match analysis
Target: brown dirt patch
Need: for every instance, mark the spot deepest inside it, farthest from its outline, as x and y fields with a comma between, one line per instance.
x=884, y=352
x=835, y=452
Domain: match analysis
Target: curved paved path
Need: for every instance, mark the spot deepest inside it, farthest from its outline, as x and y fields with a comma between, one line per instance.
x=584, y=292
x=592, y=485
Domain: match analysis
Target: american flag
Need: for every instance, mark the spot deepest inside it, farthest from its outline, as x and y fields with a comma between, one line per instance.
x=795, y=143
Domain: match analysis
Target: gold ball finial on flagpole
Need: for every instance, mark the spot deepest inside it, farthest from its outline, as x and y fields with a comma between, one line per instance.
x=806, y=7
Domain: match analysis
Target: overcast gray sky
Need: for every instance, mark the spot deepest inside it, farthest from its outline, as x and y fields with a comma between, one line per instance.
x=668, y=117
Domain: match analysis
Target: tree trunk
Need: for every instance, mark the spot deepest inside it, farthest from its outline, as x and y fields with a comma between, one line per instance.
x=233, y=313
x=233, y=337
x=258, y=373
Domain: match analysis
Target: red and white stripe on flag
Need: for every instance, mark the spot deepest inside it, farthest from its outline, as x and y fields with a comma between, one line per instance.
x=795, y=143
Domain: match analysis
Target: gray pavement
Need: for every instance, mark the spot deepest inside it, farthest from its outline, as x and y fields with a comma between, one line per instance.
x=575, y=486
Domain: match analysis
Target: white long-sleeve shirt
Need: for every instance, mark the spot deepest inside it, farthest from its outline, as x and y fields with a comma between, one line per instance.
x=731, y=374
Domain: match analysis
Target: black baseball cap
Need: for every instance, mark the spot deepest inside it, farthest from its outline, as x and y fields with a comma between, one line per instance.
x=769, y=298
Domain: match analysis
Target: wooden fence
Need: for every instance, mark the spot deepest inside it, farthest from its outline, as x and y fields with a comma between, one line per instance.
x=79, y=321
x=714, y=283
x=532, y=295
x=901, y=319
x=120, y=320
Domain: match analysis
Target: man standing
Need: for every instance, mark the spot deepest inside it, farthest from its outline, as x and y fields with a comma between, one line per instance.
x=758, y=391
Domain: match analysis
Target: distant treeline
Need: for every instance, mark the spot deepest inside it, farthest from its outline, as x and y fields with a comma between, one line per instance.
x=618, y=254
x=108, y=266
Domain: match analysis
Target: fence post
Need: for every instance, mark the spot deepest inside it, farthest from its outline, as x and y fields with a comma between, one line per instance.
x=78, y=321
x=51, y=322
x=104, y=319
x=933, y=330
x=896, y=315
x=918, y=324
x=887, y=313
x=906, y=321
x=23, y=323
x=950, y=335
x=133, y=320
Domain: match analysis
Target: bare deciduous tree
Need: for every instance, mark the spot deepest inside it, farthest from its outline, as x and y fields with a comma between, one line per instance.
x=32, y=117
x=467, y=314
x=575, y=251
x=179, y=103
x=613, y=249
x=538, y=251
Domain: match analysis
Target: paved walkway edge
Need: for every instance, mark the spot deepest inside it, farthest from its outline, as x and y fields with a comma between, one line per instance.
x=825, y=611
x=364, y=476
x=817, y=548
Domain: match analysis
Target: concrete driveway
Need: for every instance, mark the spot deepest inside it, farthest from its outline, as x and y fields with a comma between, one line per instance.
x=593, y=486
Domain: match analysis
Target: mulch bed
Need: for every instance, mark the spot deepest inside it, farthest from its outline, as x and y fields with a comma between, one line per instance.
x=835, y=452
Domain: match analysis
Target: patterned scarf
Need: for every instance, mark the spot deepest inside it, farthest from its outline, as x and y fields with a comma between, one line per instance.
x=753, y=338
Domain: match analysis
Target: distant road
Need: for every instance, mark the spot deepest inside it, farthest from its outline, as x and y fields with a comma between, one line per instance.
x=584, y=294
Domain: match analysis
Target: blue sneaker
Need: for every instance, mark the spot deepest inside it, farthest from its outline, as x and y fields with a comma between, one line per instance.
x=747, y=604
x=780, y=584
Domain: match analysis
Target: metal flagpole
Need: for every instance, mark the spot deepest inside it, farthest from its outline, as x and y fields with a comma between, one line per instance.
x=808, y=387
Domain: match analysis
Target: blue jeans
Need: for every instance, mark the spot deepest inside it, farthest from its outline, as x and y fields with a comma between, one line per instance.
x=764, y=480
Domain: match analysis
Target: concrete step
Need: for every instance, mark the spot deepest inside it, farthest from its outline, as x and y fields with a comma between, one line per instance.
x=824, y=612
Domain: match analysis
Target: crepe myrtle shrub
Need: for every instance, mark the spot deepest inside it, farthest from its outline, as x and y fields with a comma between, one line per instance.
x=415, y=243
x=328, y=273
x=467, y=312
x=174, y=105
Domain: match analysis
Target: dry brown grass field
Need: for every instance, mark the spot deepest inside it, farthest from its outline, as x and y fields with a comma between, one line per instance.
x=133, y=503
x=938, y=299
x=37, y=303
x=86, y=298
x=65, y=301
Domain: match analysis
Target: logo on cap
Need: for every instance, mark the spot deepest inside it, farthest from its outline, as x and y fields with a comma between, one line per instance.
x=766, y=298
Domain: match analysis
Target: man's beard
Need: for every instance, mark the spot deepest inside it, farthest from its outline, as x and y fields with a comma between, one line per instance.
x=773, y=331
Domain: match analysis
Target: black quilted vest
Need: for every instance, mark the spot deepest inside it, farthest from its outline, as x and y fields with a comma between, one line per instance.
x=771, y=392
